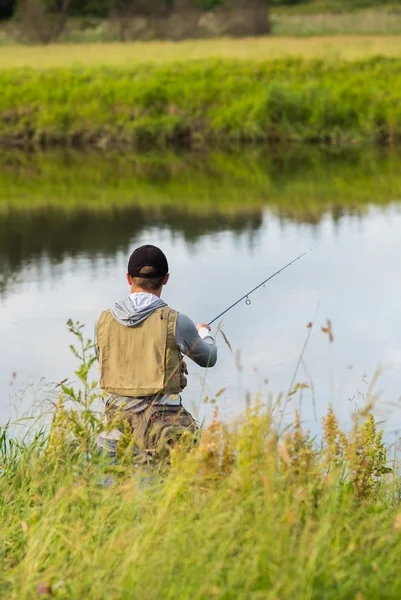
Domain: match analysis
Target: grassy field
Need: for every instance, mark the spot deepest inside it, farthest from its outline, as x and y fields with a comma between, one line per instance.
x=344, y=47
x=195, y=103
x=253, y=512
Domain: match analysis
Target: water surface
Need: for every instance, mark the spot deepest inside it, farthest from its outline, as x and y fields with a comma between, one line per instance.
x=68, y=223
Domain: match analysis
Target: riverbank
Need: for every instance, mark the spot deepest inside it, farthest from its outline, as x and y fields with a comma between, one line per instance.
x=198, y=103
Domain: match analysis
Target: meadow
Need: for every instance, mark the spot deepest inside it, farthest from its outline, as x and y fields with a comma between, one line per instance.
x=257, y=510
x=97, y=53
x=249, y=514
x=194, y=103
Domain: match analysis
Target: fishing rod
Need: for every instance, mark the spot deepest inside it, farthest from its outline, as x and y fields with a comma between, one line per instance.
x=246, y=297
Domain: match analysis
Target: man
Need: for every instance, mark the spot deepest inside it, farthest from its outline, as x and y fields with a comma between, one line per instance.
x=141, y=343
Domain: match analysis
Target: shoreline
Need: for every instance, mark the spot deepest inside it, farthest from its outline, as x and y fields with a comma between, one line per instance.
x=207, y=103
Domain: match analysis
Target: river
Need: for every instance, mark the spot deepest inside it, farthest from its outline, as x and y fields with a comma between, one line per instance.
x=226, y=221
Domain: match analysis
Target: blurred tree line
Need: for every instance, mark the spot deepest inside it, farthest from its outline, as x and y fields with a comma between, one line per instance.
x=44, y=20
x=7, y=8
x=103, y=8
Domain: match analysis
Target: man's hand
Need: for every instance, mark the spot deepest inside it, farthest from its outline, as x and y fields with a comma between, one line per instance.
x=203, y=326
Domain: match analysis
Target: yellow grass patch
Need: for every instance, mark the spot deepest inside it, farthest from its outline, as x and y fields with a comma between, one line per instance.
x=328, y=47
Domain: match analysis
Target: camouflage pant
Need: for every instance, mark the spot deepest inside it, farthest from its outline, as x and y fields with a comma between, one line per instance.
x=156, y=428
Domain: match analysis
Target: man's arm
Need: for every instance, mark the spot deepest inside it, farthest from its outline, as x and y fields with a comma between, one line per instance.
x=196, y=343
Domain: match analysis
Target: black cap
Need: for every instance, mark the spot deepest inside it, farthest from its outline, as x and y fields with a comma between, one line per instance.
x=148, y=256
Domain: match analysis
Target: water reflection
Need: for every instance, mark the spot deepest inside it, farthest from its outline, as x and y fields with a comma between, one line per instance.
x=67, y=224
x=28, y=237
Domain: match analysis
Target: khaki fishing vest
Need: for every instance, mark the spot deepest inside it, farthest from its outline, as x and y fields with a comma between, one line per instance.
x=142, y=360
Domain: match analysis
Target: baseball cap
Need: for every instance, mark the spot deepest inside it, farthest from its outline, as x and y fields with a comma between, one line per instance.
x=148, y=256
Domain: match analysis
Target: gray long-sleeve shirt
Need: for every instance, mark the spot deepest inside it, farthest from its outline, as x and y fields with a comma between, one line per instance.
x=198, y=346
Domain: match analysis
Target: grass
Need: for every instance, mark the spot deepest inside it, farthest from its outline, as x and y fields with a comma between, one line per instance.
x=247, y=515
x=362, y=22
x=199, y=102
x=342, y=47
x=253, y=512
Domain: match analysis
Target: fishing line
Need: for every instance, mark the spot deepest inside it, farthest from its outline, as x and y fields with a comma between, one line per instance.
x=248, y=301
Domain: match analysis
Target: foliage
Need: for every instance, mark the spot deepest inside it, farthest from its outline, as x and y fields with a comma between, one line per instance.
x=319, y=18
x=102, y=8
x=209, y=4
x=43, y=20
x=75, y=427
x=333, y=19
x=362, y=451
x=91, y=8
x=192, y=103
x=6, y=9
x=300, y=517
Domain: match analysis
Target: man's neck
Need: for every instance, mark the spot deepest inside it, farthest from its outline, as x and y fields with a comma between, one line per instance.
x=137, y=290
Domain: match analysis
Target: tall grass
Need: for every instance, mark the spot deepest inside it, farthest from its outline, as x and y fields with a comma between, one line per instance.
x=253, y=512
x=195, y=103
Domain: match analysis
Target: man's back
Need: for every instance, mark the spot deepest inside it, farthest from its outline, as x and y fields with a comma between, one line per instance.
x=140, y=360
x=141, y=343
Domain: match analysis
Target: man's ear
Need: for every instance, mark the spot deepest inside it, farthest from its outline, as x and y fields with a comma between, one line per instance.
x=167, y=277
x=129, y=279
